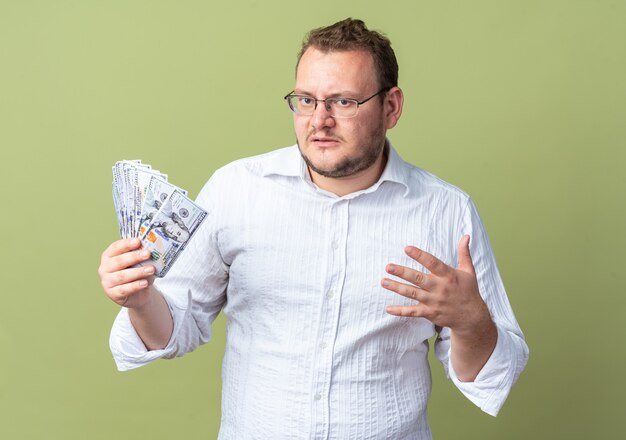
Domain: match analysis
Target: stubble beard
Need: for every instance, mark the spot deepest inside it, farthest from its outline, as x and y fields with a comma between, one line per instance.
x=350, y=166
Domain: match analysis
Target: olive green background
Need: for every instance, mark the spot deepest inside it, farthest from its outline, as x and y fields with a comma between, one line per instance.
x=520, y=103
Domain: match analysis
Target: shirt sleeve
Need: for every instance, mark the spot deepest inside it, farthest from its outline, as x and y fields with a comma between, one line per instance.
x=195, y=291
x=494, y=382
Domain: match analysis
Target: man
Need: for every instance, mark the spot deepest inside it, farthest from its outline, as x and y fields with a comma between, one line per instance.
x=321, y=343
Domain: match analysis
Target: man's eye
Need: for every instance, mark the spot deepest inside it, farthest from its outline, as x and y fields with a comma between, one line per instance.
x=305, y=100
x=343, y=102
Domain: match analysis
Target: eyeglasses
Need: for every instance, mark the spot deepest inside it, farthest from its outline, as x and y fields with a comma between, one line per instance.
x=337, y=107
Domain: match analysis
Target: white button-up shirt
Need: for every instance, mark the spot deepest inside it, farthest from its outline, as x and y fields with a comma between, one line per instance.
x=311, y=352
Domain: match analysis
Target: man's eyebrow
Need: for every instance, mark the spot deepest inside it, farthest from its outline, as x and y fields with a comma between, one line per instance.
x=343, y=94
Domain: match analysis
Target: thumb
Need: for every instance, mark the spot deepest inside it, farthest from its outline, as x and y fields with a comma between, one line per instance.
x=465, y=259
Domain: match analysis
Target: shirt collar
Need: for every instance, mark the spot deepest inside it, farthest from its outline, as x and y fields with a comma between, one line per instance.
x=289, y=163
x=396, y=170
x=284, y=162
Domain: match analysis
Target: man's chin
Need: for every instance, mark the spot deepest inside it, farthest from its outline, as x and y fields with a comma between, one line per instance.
x=338, y=170
x=326, y=166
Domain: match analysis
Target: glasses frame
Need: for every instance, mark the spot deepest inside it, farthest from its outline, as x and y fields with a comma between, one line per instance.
x=328, y=109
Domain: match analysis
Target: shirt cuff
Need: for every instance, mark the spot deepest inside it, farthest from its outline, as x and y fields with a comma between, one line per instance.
x=494, y=381
x=128, y=349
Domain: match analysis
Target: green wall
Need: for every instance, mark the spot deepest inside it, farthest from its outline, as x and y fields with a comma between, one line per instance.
x=521, y=103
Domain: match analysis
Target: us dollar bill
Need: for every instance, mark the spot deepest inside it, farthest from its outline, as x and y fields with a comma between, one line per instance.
x=157, y=192
x=149, y=207
x=121, y=188
x=142, y=177
x=170, y=229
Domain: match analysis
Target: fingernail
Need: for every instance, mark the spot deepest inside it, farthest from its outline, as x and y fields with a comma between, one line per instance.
x=391, y=268
x=143, y=283
x=385, y=283
x=145, y=254
x=149, y=269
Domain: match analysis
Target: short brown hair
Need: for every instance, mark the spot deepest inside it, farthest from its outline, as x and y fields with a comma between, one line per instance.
x=352, y=34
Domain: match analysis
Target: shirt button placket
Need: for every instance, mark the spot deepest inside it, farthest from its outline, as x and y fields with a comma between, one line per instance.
x=338, y=227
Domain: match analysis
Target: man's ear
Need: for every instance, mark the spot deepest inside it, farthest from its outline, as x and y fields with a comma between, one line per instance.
x=394, y=99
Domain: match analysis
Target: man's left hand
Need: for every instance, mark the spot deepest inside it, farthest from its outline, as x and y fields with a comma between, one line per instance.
x=446, y=296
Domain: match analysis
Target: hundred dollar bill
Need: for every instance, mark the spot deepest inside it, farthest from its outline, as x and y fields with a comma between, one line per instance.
x=149, y=207
x=170, y=229
x=142, y=177
x=133, y=194
x=157, y=192
x=120, y=193
x=130, y=181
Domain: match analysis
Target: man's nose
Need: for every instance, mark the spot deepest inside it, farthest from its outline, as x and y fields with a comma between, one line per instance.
x=321, y=116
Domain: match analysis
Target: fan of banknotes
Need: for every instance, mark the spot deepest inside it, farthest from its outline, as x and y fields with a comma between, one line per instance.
x=151, y=208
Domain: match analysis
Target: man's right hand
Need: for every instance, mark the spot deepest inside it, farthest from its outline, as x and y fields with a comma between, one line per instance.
x=124, y=284
x=131, y=287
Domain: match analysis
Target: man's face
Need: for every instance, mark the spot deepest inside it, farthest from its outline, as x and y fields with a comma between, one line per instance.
x=339, y=147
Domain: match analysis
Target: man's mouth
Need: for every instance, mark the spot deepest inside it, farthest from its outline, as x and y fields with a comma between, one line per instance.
x=324, y=141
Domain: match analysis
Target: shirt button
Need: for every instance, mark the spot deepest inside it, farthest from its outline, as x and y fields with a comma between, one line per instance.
x=317, y=396
x=323, y=345
x=335, y=245
x=330, y=294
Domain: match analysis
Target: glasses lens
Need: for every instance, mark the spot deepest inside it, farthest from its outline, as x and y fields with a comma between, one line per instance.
x=303, y=105
x=291, y=102
x=336, y=107
x=341, y=107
